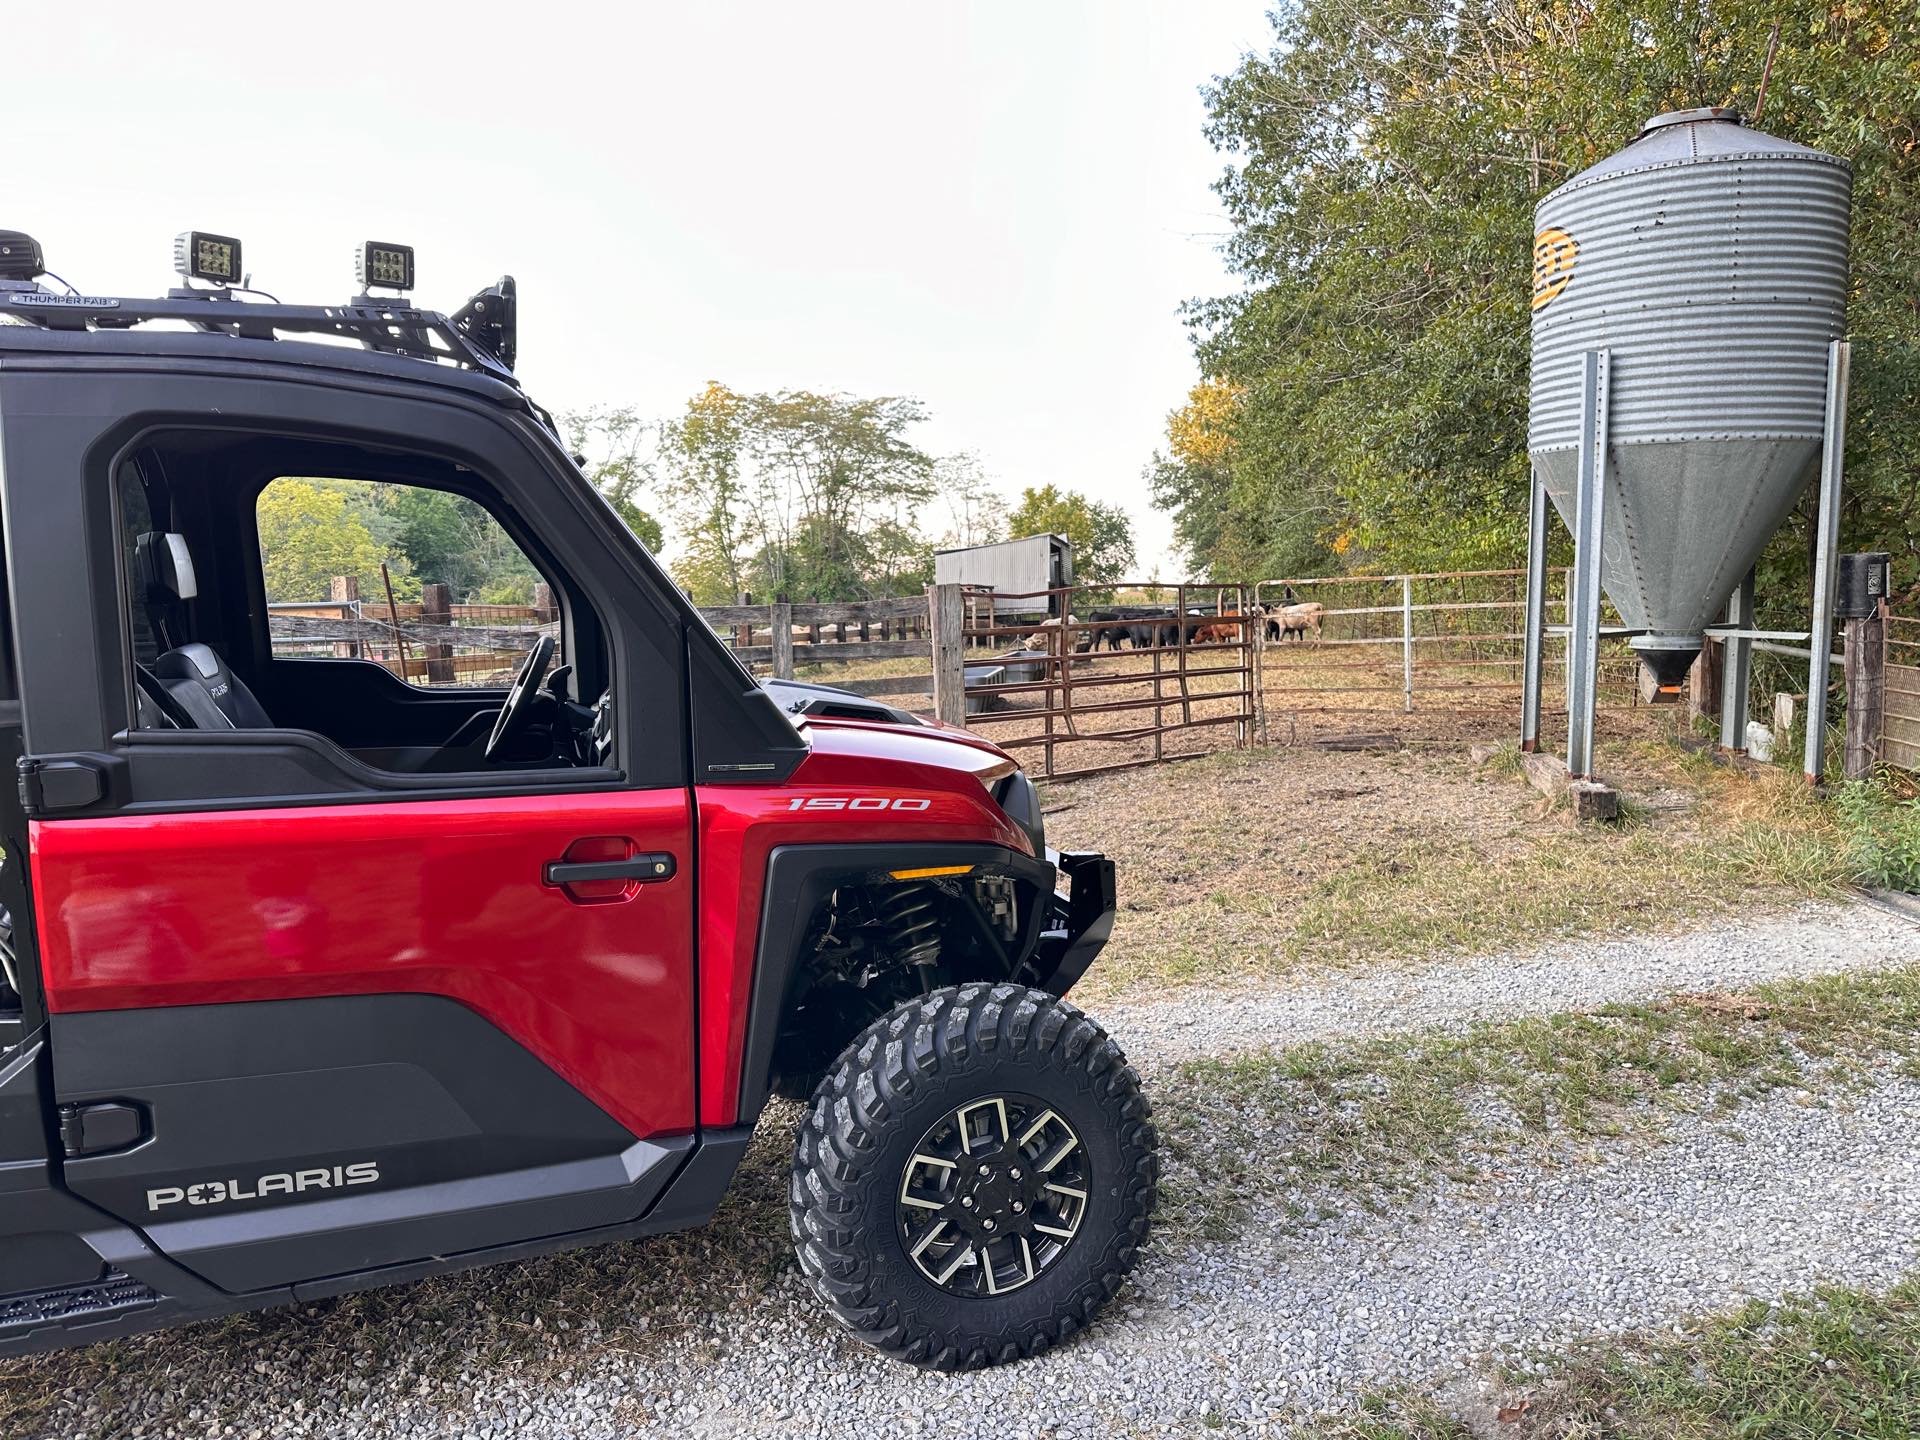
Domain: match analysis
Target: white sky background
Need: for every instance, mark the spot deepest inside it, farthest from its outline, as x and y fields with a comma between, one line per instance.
x=995, y=207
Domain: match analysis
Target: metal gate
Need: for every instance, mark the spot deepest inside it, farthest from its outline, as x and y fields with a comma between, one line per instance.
x=1112, y=677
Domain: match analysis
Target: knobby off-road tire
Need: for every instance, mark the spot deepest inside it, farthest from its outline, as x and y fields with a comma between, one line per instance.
x=884, y=1104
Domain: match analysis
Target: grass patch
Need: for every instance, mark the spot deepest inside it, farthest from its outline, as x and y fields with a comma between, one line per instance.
x=1380, y=1117
x=1838, y=1364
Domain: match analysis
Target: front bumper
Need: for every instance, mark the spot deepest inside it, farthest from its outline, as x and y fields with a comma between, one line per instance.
x=1077, y=923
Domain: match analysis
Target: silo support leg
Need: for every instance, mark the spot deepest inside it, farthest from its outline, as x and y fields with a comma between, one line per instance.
x=1583, y=617
x=1536, y=625
x=1736, y=676
x=1826, y=556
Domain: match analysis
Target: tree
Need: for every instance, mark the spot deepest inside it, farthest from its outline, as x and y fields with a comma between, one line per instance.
x=309, y=534
x=611, y=445
x=456, y=542
x=830, y=468
x=1102, y=535
x=807, y=495
x=705, y=493
x=976, y=510
x=1387, y=160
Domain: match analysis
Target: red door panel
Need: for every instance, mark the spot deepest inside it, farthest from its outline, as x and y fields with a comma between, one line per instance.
x=437, y=897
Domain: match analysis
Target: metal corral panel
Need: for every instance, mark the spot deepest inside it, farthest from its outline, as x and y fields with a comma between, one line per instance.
x=1712, y=261
x=1013, y=567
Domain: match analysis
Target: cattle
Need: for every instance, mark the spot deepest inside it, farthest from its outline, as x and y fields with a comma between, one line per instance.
x=1296, y=620
x=1224, y=631
x=1108, y=635
x=1042, y=638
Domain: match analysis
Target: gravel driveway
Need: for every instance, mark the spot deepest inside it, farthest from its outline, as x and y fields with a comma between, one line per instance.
x=714, y=1335
x=1808, y=940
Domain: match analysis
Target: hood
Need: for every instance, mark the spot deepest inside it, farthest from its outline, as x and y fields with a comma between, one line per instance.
x=926, y=742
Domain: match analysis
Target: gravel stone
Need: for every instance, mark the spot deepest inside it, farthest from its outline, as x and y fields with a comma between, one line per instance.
x=1252, y=1336
x=1807, y=940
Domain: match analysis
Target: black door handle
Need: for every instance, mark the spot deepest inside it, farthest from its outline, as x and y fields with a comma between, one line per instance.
x=644, y=868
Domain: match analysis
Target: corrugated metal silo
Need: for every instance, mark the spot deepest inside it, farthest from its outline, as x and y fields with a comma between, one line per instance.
x=1710, y=259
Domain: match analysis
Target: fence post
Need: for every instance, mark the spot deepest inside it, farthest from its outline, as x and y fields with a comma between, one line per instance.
x=346, y=588
x=545, y=612
x=743, y=634
x=946, y=617
x=1703, y=683
x=1406, y=637
x=782, y=640
x=1866, y=672
x=436, y=608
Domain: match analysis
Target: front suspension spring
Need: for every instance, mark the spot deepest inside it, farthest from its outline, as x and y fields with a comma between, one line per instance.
x=912, y=922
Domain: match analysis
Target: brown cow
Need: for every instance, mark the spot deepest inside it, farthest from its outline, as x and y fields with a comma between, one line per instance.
x=1224, y=631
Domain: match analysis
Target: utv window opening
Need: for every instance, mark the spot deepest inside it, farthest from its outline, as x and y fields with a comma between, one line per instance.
x=280, y=591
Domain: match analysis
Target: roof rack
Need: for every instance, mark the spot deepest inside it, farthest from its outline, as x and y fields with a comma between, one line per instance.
x=479, y=336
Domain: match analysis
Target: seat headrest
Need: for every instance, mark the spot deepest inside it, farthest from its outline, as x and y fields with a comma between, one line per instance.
x=165, y=567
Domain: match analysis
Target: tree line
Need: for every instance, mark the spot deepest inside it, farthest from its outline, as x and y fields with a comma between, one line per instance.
x=815, y=497
x=1366, y=398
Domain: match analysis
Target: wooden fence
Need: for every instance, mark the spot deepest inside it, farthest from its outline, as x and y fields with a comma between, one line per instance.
x=429, y=641
x=775, y=638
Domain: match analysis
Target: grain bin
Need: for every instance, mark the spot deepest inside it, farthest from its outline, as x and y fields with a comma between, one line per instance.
x=1710, y=261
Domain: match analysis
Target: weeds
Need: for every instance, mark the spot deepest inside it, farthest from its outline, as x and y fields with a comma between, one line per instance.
x=1838, y=1364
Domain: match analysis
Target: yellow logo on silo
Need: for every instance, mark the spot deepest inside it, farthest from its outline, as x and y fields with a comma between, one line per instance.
x=1554, y=253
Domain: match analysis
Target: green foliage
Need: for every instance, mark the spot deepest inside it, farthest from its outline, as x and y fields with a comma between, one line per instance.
x=976, y=510
x=1102, y=535
x=806, y=495
x=837, y=486
x=1882, y=835
x=1386, y=165
x=312, y=529
x=611, y=444
x=455, y=542
x=308, y=534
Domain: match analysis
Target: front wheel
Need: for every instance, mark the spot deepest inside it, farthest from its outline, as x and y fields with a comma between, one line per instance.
x=974, y=1178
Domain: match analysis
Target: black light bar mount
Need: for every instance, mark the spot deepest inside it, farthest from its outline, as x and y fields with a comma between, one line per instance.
x=479, y=337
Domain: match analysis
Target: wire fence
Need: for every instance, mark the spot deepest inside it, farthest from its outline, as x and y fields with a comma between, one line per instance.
x=1901, y=737
x=1441, y=645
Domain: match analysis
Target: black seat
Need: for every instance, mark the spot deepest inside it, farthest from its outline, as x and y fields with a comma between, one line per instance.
x=189, y=684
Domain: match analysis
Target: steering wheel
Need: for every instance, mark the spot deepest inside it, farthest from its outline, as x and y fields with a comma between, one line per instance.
x=519, y=705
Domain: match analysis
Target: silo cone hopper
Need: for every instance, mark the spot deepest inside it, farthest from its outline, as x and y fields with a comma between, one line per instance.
x=1709, y=262
x=1702, y=275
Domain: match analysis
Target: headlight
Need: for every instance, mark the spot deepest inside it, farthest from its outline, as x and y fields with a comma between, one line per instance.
x=1017, y=796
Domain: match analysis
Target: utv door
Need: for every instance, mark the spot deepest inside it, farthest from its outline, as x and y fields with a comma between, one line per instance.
x=310, y=1017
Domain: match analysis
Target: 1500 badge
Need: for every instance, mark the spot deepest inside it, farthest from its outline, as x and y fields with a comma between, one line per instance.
x=867, y=803
x=285, y=1182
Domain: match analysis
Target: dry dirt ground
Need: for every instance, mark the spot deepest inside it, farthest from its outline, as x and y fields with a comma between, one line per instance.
x=1241, y=866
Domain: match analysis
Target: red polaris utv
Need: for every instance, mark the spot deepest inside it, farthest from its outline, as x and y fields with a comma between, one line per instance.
x=316, y=978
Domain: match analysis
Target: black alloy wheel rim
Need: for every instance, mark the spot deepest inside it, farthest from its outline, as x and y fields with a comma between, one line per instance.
x=993, y=1195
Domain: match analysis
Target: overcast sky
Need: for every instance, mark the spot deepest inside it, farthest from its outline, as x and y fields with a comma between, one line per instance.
x=996, y=207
